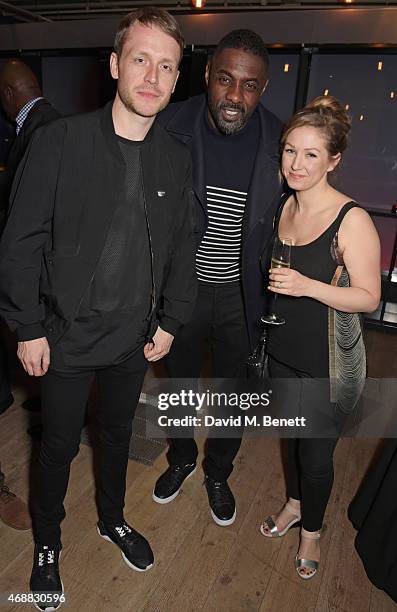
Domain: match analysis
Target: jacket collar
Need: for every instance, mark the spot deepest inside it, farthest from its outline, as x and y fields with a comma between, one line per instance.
x=188, y=119
x=187, y=122
x=110, y=135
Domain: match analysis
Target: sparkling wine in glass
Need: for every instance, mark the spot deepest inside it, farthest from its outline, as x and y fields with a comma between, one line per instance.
x=281, y=258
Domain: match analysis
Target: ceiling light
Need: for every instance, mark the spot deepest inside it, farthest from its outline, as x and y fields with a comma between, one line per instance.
x=326, y=92
x=286, y=67
x=199, y=4
x=361, y=117
x=380, y=65
x=347, y=106
x=392, y=94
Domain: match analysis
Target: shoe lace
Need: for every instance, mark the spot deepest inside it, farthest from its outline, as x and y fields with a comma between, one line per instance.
x=46, y=556
x=6, y=495
x=123, y=529
x=219, y=493
x=176, y=473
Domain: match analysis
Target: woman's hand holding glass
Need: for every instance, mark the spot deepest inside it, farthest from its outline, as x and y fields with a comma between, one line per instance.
x=289, y=282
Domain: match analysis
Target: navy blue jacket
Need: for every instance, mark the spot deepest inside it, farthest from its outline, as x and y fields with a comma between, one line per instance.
x=184, y=120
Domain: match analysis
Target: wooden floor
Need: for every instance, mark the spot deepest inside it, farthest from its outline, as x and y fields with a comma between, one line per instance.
x=200, y=566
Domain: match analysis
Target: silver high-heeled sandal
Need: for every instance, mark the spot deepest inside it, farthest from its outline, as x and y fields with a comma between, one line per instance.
x=273, y=529
x=307, y=563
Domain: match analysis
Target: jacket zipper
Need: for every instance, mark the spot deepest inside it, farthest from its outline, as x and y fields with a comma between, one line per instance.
x=153, y=296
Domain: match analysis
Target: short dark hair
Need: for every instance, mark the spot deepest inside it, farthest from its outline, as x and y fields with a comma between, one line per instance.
x=246, y=40
x=149, y=16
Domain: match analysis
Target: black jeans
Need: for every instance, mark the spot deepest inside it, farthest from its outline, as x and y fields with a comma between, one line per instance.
x=218, y=323
x=64, y=397
x=310, y=471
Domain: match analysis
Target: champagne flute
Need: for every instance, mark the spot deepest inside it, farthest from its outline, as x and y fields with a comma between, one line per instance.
x=281, y=258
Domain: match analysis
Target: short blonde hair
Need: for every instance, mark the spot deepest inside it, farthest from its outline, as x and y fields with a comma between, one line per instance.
x=149, y=16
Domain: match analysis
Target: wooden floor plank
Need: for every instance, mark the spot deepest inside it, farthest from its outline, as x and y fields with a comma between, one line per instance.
x=283, y=595
x=269, y=495
x=189, y=578
x=241, y=584
x=381, y=602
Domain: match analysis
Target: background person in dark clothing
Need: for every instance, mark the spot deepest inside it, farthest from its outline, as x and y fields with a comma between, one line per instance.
x=97, y=272
x=373, y=513
x=234, y=143
x=23, y=103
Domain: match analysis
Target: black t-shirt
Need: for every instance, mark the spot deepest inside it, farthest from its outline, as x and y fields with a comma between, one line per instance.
x=112, y=320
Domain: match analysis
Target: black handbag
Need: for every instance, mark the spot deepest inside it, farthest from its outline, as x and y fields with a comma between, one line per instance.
x=257, y=362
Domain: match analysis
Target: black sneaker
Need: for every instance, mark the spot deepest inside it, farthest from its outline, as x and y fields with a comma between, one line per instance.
x=169, y=484
x=45, y=582
x=135, y=549
x=221, y=500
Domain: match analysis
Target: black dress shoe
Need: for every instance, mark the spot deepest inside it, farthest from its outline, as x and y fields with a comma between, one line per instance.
x=45, y=582
x=221, y=500
x=135, y=549
x=170, y=482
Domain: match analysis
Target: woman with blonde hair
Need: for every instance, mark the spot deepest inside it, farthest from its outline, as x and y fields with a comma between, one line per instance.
x=334, y=275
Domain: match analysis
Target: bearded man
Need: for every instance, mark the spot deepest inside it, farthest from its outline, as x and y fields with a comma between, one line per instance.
x=234, y=142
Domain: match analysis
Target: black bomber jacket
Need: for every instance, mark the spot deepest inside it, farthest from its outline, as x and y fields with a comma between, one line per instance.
x=62, y=202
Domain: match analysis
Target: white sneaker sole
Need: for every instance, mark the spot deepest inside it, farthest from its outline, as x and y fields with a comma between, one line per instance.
x=225, y=523
x=131, y=565
x=167, y=500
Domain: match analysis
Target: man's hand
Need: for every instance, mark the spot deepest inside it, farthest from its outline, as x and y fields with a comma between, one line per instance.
x=159, y=346
x=34, y=356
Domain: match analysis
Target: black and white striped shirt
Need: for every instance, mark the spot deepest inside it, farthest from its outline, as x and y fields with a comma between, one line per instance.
x=229, y=162
x=218, y=258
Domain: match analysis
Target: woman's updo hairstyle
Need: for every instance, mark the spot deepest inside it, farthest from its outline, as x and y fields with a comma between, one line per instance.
x=326, y=114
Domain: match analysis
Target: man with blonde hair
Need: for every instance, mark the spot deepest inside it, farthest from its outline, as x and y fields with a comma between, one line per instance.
x=97, y=273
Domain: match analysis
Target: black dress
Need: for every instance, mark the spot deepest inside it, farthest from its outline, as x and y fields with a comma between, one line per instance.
x=322, y=350
x=316, y=340
x=373, y=513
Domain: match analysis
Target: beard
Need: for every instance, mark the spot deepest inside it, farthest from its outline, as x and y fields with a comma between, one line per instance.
x=224, y=126
x=140, y=107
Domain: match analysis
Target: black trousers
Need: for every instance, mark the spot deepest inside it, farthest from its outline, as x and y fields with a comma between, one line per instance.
x=310, y=471
x=64, y=397
x=6, y=397
x=218, y=324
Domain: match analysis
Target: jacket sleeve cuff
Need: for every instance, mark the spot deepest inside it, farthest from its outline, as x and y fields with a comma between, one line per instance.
x=169, y=325
x=30, y=332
